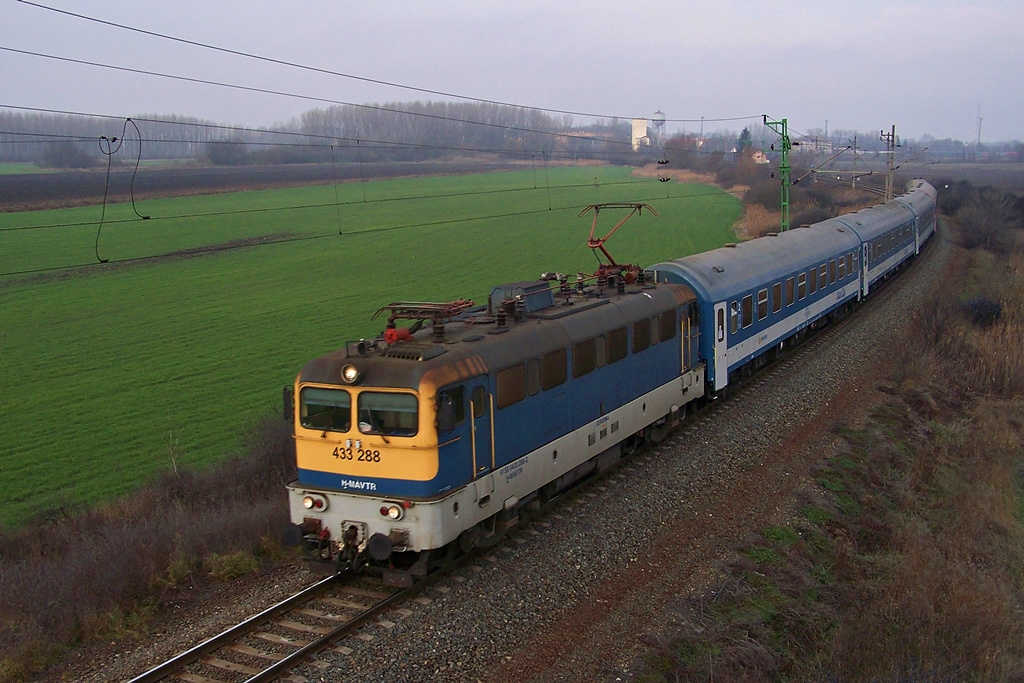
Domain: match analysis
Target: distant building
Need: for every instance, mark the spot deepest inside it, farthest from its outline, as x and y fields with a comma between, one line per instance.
x=759, y=157
x=641, y=134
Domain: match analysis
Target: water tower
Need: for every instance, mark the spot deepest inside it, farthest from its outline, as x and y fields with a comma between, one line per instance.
x=658, y=121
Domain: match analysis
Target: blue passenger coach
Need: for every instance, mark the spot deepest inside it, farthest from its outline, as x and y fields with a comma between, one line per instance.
x=756, y=296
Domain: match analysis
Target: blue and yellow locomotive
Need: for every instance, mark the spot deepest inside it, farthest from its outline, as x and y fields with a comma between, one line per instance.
x=433, y=437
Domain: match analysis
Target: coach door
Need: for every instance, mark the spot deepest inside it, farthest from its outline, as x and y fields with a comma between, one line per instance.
x=721, y=348
x=481, y=425
x=864, y=268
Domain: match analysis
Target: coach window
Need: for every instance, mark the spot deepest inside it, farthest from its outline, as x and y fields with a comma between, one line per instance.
x=641, y=335
x=734, y=317
x=388, y=414
x=618, y=345
x=832, y=272
x=511, y=385
x=656, y=331
x=801, y=285
x=668, y=325
x=842, y=267
x=823, y=277
x=533, y=377
x=789, y=291
x=762, y=304
x=326, y=409
x=748, y=310
x=849, y=263
x=552, y=370
x=601, y=352
x=813, y=279
x=776, y=297
x=584, y=357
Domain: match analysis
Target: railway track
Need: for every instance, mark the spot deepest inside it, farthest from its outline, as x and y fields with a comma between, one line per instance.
x=267, y=646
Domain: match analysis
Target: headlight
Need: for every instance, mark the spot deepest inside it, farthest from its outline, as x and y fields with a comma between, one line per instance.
x=313, y=501
x=350, y=374
x=392, y=511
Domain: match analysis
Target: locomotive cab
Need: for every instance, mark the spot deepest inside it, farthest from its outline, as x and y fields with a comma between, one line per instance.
x=370, y=427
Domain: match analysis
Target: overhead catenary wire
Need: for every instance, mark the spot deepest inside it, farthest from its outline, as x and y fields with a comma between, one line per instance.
x=365, y=79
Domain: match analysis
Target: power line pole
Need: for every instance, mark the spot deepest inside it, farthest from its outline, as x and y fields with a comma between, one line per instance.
x=853, y=142
x=977, y=145
x=891, y=143
x=782, y=128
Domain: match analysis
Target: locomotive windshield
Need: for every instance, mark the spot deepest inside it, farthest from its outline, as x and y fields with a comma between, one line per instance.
x=388, y=414
x=327, y=409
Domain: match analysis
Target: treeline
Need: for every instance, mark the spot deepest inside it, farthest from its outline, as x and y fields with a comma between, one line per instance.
x=348, y=133
x=75, y=141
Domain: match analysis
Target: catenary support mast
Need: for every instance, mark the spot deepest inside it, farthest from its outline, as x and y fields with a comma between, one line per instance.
x=782, y=128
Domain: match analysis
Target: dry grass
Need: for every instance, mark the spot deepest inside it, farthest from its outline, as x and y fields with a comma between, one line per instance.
x=758, y=221
x=102, y=572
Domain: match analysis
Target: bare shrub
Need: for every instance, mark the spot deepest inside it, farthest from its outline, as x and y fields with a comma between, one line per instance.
x=743, y=172
x=75, y=576
x=988, y=219
x=838, y=198
x=759, y=221
x=983, y=311
x=766, y=194
x=810, y=216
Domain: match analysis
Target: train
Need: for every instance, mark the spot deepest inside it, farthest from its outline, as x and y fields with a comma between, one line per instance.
x=436, y=436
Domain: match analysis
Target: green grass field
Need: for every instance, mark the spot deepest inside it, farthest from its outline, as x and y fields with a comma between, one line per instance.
x=17, y=168
x=114, y=373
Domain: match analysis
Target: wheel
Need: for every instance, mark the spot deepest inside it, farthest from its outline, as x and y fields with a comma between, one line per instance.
x=659, y=433
x=468, y=538
x=489, y=534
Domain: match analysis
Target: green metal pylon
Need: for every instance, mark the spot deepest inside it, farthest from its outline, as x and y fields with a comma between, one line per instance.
x=782, y=128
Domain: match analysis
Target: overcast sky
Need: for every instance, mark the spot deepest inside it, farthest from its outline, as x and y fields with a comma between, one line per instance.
x=924, y=66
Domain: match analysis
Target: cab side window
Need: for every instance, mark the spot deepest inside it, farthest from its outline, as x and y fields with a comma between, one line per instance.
x=451, y=408
x=479, y=402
